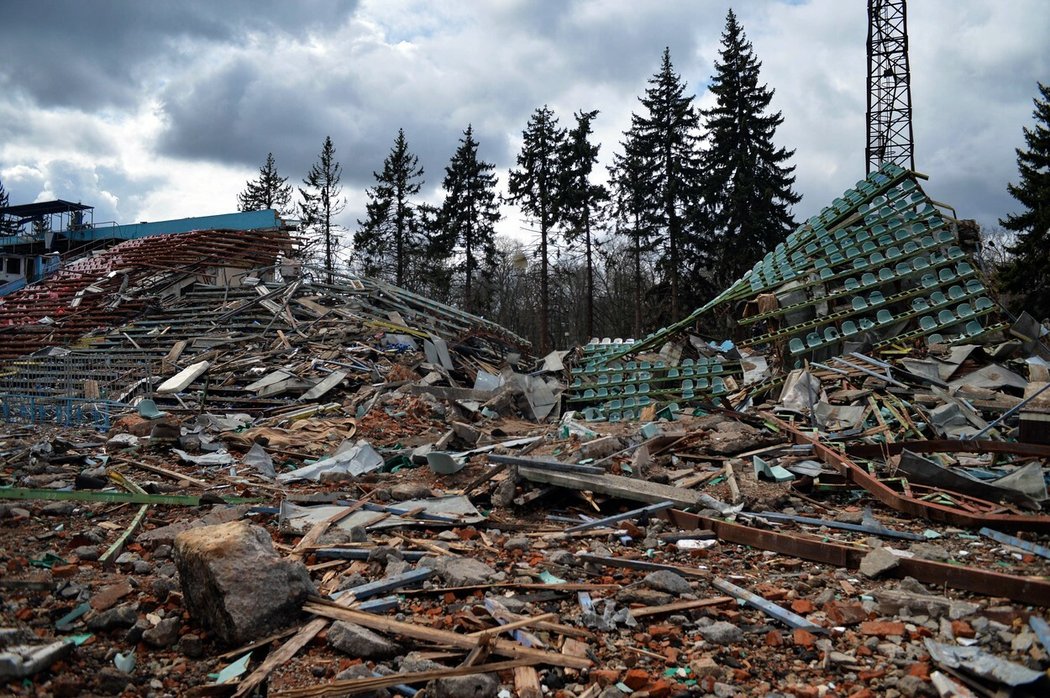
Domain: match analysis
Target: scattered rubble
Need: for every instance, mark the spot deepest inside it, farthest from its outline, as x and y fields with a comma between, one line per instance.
x=221, y=476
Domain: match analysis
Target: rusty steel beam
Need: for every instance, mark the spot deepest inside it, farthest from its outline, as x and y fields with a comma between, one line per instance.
x=885, y=450
x=1030, y=590
x=909, y=505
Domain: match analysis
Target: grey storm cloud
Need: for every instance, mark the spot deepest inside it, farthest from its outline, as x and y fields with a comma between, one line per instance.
x=85, y=54
x=165, y=104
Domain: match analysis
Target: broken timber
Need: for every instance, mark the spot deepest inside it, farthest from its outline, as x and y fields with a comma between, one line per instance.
x=442, y=637
x=614, y=486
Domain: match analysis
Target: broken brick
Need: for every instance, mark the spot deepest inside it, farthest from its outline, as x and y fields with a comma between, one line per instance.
x=802, y=606
x=882, y=628
x=803, y=638
x=845, y=612
x=636, y=678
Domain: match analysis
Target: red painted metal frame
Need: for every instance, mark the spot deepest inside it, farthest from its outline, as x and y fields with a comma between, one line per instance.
x=909, y=505
x=885, y=450
x=1030, y=590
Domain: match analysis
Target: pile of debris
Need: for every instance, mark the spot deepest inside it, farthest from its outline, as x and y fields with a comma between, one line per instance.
x=258, y=481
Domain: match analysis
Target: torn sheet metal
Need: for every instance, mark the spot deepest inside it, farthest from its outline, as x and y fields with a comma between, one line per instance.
x=487, y=382
x=838, y=417
x=553, y=362
x=228, y=422
x=541, y=394
x=258, y=458
x=801, y=392
x=207, y=460
x=976, y=661
x=993, y=377
x=927, y=368
x=457, y=510
x=350, y=458
x=928, y=472
x=957, y=355
x=1028, y=480
x=756, y=369
x=436, y=351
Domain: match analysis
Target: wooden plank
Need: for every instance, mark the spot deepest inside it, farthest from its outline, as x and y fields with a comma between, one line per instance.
x=176, y=476
x=520, y=623
x=181, y=380
x=337, y=689
x=269, y=379
x=314, y=308
x=280, y=656
x=527, y=682
x=680, y=606
x=176, y=351
x=441, y=637
x=332, y=380
x=614, y=486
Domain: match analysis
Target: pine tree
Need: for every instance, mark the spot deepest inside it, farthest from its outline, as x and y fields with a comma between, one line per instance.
x=746, y=182
x=535, y=187
x=1028, y=275
x=7, y=224
x=470, y=213
x=322, y=200
x=390, y=238
x=269, y=191
x=581, y=197
x=631, y=210
x=668, y=138
x=435, y=267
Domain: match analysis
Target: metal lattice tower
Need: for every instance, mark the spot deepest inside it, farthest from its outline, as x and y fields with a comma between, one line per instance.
x=889, y=136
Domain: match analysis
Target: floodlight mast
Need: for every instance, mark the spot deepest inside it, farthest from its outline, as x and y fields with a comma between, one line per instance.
x=889, y=128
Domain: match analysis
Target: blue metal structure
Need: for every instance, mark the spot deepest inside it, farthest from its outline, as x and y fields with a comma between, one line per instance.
x=244, y=220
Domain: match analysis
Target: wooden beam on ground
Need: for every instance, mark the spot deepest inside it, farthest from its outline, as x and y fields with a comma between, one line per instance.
x=527, y=682
x=441, y=637
x=681, y=606
x=337, y=689
x=615, y=486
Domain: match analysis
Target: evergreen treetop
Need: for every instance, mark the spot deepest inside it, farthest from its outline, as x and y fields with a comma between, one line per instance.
x=470, y=212
x=535, y=187
x=390, y=236
x=7, y=225
x=668, y=136
x=269, y=191
x=1028, y=276
x=747, y=183
x=322, y=200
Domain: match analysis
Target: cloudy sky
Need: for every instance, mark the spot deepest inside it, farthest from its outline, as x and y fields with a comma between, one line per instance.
x=151, y=110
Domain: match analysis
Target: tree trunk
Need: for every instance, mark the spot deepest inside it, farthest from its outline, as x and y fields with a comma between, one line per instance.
x=468, y=297
x=545, y=323
x=328, y=245
x=637, y=278
x=590, y=277
x=672, y=233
